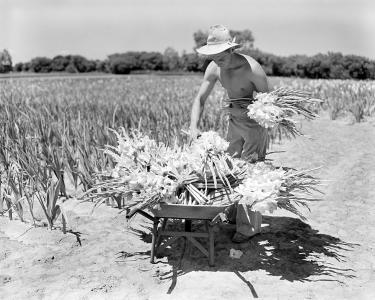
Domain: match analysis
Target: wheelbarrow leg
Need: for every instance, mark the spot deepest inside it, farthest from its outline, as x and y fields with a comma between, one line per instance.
x=188, y=227
x=211, y=243
x=160, y=233
x=154, y=239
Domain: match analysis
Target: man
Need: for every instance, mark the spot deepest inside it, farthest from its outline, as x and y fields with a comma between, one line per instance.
x=241, y=76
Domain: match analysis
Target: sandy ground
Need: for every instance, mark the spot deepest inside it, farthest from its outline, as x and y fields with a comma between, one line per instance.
x=330, y=256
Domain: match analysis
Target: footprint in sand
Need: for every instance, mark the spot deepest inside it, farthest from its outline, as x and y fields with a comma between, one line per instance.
x=4, y=279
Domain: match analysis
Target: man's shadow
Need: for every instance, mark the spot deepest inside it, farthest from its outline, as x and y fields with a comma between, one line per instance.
x=287, y=248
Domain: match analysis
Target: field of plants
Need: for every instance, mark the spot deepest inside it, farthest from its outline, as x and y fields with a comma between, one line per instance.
x=54, y=130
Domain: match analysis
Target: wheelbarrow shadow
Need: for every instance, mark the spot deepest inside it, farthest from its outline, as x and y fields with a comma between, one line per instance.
x=287, y=248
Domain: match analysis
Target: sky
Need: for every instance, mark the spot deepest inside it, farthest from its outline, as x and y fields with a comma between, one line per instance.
x=98, y=28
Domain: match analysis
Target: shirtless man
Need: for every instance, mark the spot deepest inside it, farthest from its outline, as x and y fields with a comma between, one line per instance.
x=241, y=76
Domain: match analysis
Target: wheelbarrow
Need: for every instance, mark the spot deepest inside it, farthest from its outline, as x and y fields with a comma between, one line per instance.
x=209, y=214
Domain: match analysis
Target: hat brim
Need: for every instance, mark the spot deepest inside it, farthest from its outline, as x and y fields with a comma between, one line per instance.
x=216, y=48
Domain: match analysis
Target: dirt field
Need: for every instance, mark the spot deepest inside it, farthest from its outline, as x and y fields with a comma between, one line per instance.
x=330, y=256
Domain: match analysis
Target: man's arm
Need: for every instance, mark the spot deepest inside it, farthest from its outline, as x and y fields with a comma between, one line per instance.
x=259, y=79
x=209, y=80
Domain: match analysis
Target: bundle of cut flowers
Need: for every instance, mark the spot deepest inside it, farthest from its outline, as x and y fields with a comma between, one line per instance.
x=147, y=173
x=276, y=110
x=266, y=188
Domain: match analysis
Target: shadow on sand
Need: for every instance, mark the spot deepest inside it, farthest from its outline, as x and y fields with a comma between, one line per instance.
x=287, y=248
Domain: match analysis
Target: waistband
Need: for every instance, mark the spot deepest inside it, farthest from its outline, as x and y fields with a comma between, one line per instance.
x=242, y=102
x=237, y=108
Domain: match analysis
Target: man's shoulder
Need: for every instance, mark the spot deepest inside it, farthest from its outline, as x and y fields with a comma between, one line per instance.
x=212, y=66
x=250, y=60
x=212, y=69
x=256, y=68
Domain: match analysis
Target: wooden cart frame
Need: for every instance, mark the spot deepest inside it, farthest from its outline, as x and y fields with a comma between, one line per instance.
x=160, y=216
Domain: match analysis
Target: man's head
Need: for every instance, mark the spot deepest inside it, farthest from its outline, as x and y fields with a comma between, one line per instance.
x=218, y=41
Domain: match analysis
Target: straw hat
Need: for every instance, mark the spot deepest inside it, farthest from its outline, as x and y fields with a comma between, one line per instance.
x=218, y=40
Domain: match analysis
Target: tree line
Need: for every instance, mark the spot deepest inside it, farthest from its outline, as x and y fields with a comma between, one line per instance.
x=333, y=65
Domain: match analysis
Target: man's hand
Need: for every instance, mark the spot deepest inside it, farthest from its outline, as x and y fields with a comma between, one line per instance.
x=192, y=134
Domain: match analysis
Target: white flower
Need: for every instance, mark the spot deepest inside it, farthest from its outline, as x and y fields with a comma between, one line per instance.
x=264, y=206
x=266, y=97
x=261, y=186
x=265, y=111
x=209, y=141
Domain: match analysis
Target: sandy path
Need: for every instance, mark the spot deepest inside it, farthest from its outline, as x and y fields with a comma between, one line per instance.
x=347, y=155
x=331, y=256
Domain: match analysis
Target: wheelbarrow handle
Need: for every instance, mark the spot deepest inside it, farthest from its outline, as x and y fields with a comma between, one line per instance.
x=130, y=212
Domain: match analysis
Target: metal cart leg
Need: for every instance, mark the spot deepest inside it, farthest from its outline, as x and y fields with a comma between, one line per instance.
x=154, y=239
x=161, y=230
x=188, y=226
x=211, y=242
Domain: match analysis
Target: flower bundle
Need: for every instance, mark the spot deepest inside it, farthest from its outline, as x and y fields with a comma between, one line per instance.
x=266, y=188
x=147, y=173
x=275, y=110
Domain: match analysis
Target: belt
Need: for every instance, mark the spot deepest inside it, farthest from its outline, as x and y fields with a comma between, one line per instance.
x=239, y=102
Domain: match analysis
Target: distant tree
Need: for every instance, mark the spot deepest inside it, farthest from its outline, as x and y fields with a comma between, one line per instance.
x=191, y=62
x=26, y=67
x=337, y=68
x=5, y=62
x=59, y=63
x=170, y=59
x=276, y=65
x=18, y=67
x=370, y=69
x=299, y=68
x=82, y=64
x=151, y=61
x=71, y=68
x=355, y=65
x=122, y=63
x=317, y=66
x=40, y=65
x=102, y=66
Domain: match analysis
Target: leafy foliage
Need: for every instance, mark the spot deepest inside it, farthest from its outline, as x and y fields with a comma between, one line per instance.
x=325, y=66
x=5, y=61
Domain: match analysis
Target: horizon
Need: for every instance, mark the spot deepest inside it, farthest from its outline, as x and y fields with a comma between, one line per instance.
x=96, y=29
